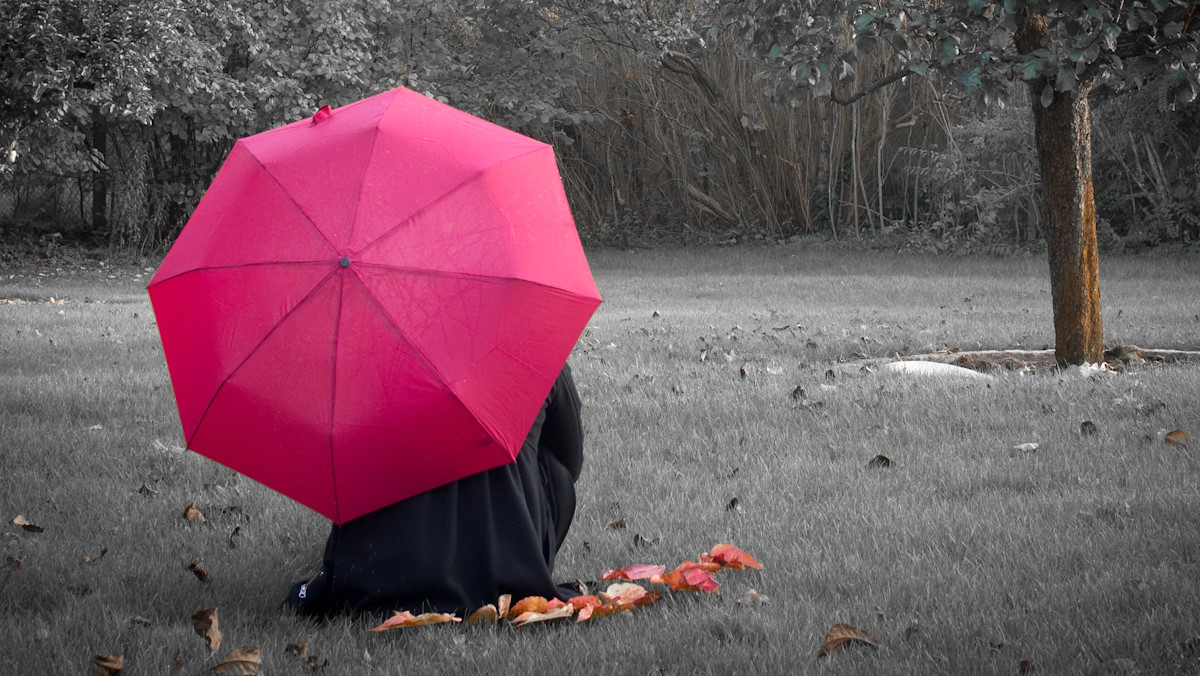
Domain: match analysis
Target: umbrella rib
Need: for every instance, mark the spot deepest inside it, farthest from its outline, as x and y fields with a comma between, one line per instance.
x=212, y=268
x=332, y=247
x=250, y=353
x=337, y=329
x=465, y=275
x=421, y=356
x=441, y=197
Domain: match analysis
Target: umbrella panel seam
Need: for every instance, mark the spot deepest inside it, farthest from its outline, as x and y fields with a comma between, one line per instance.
x=408, y=219
x=312, y=222
x=217, y=268
x=492, y=433
x=234, y=370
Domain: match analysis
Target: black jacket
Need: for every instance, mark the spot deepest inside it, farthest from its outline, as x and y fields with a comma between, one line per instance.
x=460, y=546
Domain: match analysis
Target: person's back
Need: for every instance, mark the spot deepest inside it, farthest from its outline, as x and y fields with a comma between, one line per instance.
x=458, y=547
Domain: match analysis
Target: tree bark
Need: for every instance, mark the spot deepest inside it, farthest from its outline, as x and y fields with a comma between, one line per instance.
x=1063, y=133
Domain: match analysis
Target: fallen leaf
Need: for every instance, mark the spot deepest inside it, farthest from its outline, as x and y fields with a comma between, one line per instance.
x=561, y=612
x=503, y=604
x=92, y=558
x=402, y=620
x=536, y=604
x=691, y=579
x=204, y=621
x=634, y=572
x=627, y=596
x=14, y=561
x=1087, y=427
x=732, y=557
x=880, y=461
x=732, y=505
x=241, y=662
x=753, y=598
x=1025, y=666
x=745, y=370
x=193, y=515
x=616, y=523
x=199, y=571
x=24, y=523
x=487, y=613
x=842, y=635
x=703, y=354
x=298, y=649
x=110, y=665
x=1177, y=438
x=138, y=619
x=1026, y=448
x=656, y=314
x=586, y=605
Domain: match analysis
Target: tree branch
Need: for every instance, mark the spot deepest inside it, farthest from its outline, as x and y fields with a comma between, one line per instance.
x=873, y=87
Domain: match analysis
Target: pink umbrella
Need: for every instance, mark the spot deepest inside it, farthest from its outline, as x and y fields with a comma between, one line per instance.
x=372, y=303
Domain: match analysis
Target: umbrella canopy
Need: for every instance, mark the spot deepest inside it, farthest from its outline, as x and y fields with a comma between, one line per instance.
x=372, y=303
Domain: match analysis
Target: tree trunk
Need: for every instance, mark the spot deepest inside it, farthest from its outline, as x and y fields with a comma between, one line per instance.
x=1063, y=133
x=1064, y=143
x=100, y=178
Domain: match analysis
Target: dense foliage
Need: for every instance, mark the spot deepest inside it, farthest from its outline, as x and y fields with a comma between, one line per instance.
x=667, y=125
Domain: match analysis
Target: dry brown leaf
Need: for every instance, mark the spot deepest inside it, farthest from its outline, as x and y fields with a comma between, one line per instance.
x=193, y=515
x=241, y=662
x=703, y=354
x=1087, y=427
x=503, y=604
x=1025, y=666
x=1177, y=438
x=745, y=370
x=138, y=619
x=204, y=621
x=563, y=611
x=92, y=558
x=616, y=523
x=110, y=665
x=402, y=620
x=24, y=523
x=842, y=635
x=14, y=561
x=880, y=461
x=487, y=614
x=298, y=649
x=199, y=571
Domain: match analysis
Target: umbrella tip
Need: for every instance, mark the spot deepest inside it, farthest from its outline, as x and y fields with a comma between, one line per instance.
x=321, y=114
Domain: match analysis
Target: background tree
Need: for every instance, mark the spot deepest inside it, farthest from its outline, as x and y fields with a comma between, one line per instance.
x=1062, y=50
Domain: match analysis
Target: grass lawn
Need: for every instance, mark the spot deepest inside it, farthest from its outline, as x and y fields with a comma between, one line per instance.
x=964, y=556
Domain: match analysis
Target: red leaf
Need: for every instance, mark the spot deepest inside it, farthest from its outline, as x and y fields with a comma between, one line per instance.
x=627, y=596
x=689, y=579
x=563, y=610
x=733, y=557
x=637, y=571
x=587, y=605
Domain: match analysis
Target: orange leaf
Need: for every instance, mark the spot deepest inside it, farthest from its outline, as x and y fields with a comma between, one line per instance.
x=842, y=635
x=734, y=558
x=638, y=571
x=401, y=620
x=536, y=604
x=689, y=579
x=110, y=665
x=706, y=563
x=204, y=621
x=587, y=605
x=487, y=613
x=1174, y=438
x=241, y=662
x=562, y=611
x=503, y=604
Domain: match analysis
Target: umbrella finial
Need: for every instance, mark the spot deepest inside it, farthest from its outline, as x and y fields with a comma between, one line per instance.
x=345, y=262
x=324, y=112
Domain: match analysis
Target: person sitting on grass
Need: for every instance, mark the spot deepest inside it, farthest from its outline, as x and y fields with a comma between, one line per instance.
x=460, y=546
